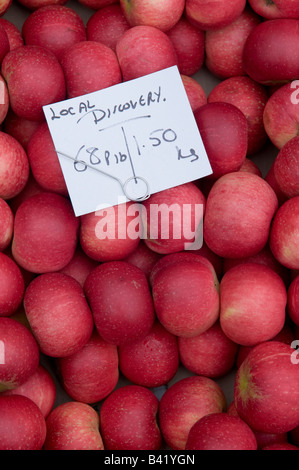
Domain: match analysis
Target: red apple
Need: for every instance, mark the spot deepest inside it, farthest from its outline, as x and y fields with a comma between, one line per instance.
x=45, y=233
x=216, y=260
x=173, y=219
x=12, y=286
x=22, y=425
x=249, y=317
x=239, y=211
x=271, y=180
x=284, y=234
x=142, y=50
x=106, y=235
x=4, y=43
x=14, y=169
x=4, y=100
x=213, y=14
x=73, y=426
x=293, y=300
x=186, y=296
x=121, y=302
x=277, y=61
x=162, y=15
x=221, y=431
x=195, y=92
x=224, y=132
x=281, y=446
x=197, y=354
x=251, y=167
x=128, y=419
x=189, y=44
x=107, y=25
x=40, y=388
x=265, y=256
x=265, y=390
x=55, y=27
x=265, y=439
x=281, y=115
x=151, y=361
x=275, y=8
x=19, y=128
x=224, y=46
x=35, y=4
x=31, y=188
x=14, y=35
x=5, y=4
x=144, y=258
x=184, y=403
x=89, y=66
x=286, y=168
x=250, y=97
x=97, y=4
x=90, y=374
x=80, y=266
x=34, y=79
x=44, y=163
x=6, y=224
x=58, y=314
x=19, y=354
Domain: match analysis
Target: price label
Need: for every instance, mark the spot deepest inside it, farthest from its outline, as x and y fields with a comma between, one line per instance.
x=127, y=141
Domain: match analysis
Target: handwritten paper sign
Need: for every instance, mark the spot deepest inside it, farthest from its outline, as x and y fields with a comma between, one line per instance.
x=127, y=141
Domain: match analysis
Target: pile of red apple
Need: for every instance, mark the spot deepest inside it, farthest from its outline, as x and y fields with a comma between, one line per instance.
x=110, y=322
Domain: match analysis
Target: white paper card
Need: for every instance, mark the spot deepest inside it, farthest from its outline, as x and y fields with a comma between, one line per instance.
x=127, y=141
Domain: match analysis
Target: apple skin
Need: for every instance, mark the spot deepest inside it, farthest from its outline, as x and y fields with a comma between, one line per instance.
x=35, y=4
x=21, y=354
x=116, y=245
x=284, y=234
x=44, y=163
x=23, y=426
x=249, y=317
x=224, y=46
x=55, y=27
x=224, y=132
x=282, y=446
x=80, y=266
x=14, y=172
x=196, y=354
x=277, y=61
x=45, y=233
x=281, y=115
x=107, y=25
x=90, y=374
x=221, y=431
x=186, y=296
x=58, y=314
x=89, y=66
x=12, y=286
x=144, y=258
x=237, y=201
x=189, y=43
x=19, y=128
x=161, y=15
x=251, y=98
x=97, y=4
x=128, y=419
x=209, y=14
x=4, y=100
x=5, y=4
x=152, y=361
x=73, y=426
x=34, y=79
x=251, y=167
x=265, y=389
x=166, y=235
x=275, y=9
x=195, y=92
x=126, y=316
x=184, y=403
x=293, y=300
x=6, y=224
x=142, y=50
x=286, y=168
x=40, y=388
x=271, y=180
x=14, y=35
